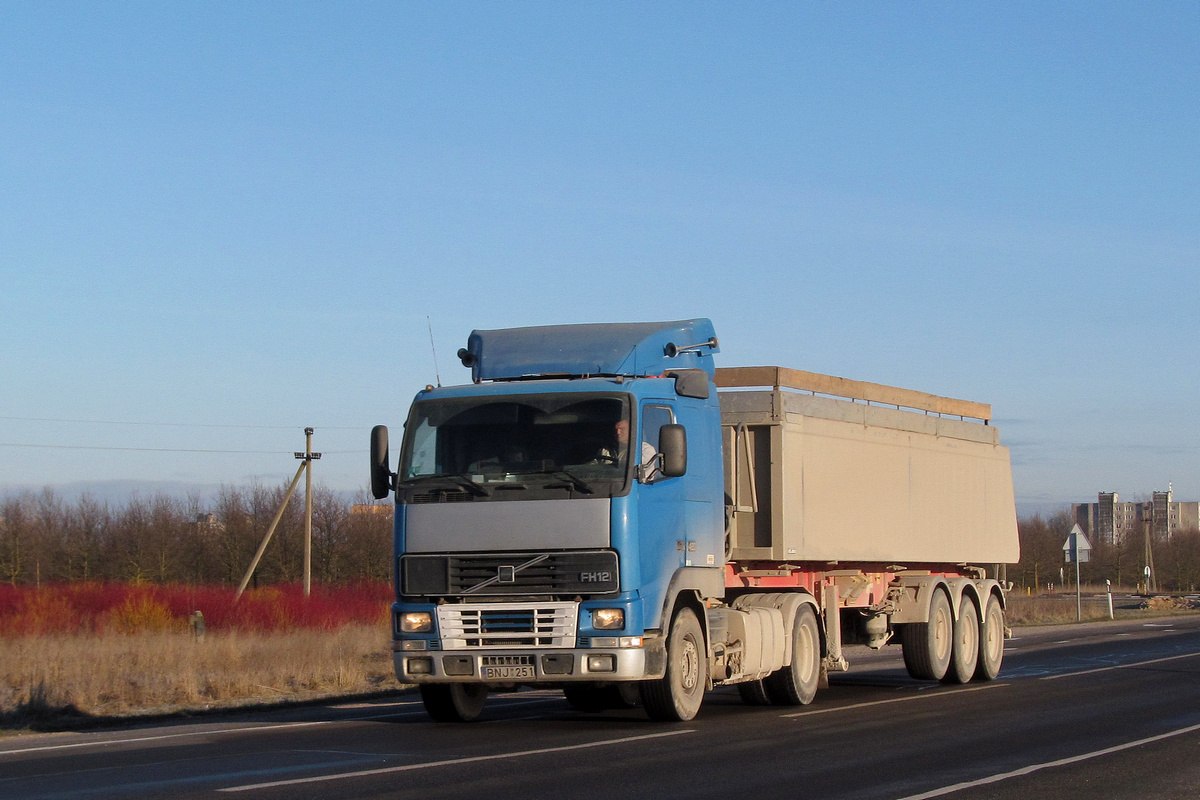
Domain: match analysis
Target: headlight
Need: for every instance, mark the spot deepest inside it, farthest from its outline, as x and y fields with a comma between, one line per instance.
x=608, y=619
x=416, y=622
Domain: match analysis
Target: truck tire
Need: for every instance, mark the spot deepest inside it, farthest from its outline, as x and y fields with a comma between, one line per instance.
x=676, y=697
x=927, y=645
x=991, y=640
x=965, y=655
x=454, y=702
x=796, y=684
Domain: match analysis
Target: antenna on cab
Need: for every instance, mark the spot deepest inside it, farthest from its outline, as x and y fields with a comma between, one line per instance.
x=436, y=374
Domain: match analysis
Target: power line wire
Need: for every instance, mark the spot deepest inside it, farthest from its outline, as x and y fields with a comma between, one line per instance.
x=168, y=449
x=187, y=424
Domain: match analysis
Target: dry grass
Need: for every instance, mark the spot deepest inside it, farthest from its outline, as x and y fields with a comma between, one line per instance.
x=1061, y=608
x=1053, y=609
x=160, y=671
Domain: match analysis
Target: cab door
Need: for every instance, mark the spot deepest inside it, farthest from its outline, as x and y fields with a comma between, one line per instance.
x=661, y=508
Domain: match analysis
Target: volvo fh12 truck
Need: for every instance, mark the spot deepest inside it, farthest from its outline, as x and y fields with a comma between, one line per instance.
x=604, y=511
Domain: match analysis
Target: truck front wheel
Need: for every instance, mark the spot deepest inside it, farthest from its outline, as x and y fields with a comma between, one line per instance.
x=676, y=697
x=454, y=702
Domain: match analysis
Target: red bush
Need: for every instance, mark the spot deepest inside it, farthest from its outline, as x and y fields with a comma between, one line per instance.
x=125, y=608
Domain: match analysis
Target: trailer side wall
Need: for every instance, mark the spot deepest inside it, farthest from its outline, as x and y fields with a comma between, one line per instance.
x=822, y=479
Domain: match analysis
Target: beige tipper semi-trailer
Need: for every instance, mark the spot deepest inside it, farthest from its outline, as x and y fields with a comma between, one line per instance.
x=604, y=511
x=890, y=510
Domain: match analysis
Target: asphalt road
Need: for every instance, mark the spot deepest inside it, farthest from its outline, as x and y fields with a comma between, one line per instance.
x=1108, y=710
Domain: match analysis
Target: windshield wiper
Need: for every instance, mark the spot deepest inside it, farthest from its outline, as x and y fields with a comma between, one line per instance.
x=461, y=480
x=573, y=480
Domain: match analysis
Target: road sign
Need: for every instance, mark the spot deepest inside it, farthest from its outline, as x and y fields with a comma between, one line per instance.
x=1077, y=548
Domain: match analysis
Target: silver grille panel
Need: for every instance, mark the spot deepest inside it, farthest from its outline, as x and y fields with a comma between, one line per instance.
x=507, y=625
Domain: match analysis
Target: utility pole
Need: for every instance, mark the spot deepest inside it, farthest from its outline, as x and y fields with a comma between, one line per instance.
x=308, y=456
x=308, y=459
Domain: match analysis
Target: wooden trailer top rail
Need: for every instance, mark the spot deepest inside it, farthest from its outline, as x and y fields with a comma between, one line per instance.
x=782, y=377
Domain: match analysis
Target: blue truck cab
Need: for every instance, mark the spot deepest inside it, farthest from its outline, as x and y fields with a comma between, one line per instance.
x=561, y=519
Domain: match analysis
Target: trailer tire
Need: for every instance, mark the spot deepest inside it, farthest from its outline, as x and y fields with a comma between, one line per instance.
x=676, y=697
x=796, y=684
x=965, y=655
x=991, y=640
x=927, y=645
x=454, y=702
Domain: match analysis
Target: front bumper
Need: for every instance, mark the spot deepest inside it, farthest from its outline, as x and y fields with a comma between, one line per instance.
x=530, y=666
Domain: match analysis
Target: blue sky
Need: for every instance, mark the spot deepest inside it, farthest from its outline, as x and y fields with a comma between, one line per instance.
x=227, y=221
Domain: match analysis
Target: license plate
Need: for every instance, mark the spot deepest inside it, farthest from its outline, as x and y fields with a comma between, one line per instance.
x=508, y=673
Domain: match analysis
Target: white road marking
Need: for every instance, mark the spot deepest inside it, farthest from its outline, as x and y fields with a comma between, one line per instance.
x=1116, y=666
x=450, y=762
x=893, y=700
x=1017, y=773
x=218, y=732
x=420, y=710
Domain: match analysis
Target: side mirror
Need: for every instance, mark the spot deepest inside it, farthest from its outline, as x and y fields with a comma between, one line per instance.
x=672, y=446
x=381, y=475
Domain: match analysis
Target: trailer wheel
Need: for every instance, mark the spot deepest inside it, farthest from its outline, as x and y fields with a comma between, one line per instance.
x=753, y=693
x=796, y=684
x=676, y=697
x=965, y=655
x=991, y=641
x=454, y=702
x=927, y=645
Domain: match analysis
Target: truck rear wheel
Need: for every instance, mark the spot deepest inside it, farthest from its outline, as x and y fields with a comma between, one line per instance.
x=991, y=640
x=927, y=645
x=965, y=655
x=676, y=697
x=454, y=702
x=796, y=684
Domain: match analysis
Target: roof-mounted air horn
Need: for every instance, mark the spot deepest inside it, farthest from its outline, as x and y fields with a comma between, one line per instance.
x=671, y=350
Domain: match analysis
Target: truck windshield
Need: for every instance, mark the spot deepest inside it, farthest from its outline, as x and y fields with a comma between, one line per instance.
x=539, y=443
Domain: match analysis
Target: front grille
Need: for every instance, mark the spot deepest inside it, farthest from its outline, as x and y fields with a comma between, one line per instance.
x=588, y=572
x=504, y=625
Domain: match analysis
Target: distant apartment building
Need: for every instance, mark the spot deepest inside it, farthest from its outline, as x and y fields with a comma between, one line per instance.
x=378, y=509
x=1110, y=521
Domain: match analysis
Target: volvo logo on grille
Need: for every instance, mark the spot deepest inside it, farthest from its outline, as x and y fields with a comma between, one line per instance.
x=506, y=573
